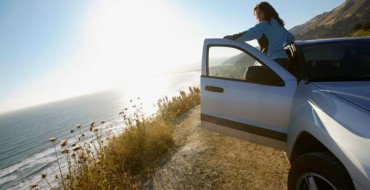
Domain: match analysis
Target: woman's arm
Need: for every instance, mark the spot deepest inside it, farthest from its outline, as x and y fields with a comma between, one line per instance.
x=253, y=33
x=290, y=39
x=234, y=36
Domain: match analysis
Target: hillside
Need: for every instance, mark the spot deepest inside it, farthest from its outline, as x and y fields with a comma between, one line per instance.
x=338, y=22
x=232, y=67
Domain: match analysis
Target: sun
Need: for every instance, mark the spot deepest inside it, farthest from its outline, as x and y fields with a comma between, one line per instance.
x=130, y=40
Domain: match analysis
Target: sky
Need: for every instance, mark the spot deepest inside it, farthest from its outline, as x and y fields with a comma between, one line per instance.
x=53, y=50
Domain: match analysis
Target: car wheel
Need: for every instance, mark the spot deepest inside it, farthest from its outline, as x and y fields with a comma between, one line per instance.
x=318, y=170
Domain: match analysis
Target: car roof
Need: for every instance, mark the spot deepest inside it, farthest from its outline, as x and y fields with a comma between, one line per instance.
x=330, y=40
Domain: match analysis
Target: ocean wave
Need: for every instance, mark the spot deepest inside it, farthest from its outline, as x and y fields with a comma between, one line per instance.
x=38, y=158
x=6, y=179
x=29, y=170
x=22, y=179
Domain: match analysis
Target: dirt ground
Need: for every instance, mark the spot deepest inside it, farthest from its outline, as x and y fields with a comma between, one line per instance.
x=208, y=160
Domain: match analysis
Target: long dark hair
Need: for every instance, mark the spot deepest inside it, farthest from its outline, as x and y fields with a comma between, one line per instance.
x=269, y=12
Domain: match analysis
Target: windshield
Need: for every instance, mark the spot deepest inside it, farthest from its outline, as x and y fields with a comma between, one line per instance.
x=338, y=62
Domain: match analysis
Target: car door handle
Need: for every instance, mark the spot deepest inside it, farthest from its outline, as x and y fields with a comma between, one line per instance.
x=214, y=89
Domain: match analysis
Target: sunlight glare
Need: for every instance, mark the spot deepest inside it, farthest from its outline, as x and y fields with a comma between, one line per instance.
x=146, y=93
x=122, y=41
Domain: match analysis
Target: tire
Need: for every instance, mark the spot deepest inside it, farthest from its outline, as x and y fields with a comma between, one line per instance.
x=320, y=169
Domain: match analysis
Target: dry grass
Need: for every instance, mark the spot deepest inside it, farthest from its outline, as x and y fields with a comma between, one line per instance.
x=170, y=109
x=121, y=161
x=361, y=33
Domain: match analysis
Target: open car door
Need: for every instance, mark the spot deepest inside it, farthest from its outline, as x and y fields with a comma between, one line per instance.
x=245, y=94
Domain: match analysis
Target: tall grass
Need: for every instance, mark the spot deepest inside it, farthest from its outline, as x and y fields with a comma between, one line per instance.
x=361, y=32
x=120, y=161
x=170, y=109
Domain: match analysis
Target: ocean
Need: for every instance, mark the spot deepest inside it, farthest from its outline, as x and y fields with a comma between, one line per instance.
x=25, y=150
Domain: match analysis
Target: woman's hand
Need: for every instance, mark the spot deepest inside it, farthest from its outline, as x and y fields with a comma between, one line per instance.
x=234, y=36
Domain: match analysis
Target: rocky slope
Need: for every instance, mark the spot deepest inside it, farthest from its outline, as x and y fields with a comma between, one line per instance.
x=338, y=22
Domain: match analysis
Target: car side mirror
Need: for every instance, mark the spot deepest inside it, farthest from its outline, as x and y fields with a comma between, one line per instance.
x=263, y=75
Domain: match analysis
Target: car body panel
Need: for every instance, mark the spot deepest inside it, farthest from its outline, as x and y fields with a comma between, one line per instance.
x=336, y=114
x=356, y=92
x=338, y=124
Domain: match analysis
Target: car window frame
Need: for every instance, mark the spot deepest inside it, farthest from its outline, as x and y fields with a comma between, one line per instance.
x=280, y=83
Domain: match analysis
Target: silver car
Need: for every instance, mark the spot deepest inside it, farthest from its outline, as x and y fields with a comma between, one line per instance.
x=317, y=109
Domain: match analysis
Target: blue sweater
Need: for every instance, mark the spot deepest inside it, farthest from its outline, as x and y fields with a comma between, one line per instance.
x=277, y=35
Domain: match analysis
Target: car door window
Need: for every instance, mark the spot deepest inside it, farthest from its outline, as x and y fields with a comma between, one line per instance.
x=232, y=63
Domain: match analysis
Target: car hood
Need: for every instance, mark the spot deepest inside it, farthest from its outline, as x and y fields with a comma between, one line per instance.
x=356, y=92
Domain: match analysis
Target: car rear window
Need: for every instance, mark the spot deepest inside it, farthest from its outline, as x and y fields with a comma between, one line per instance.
x=338, y=62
